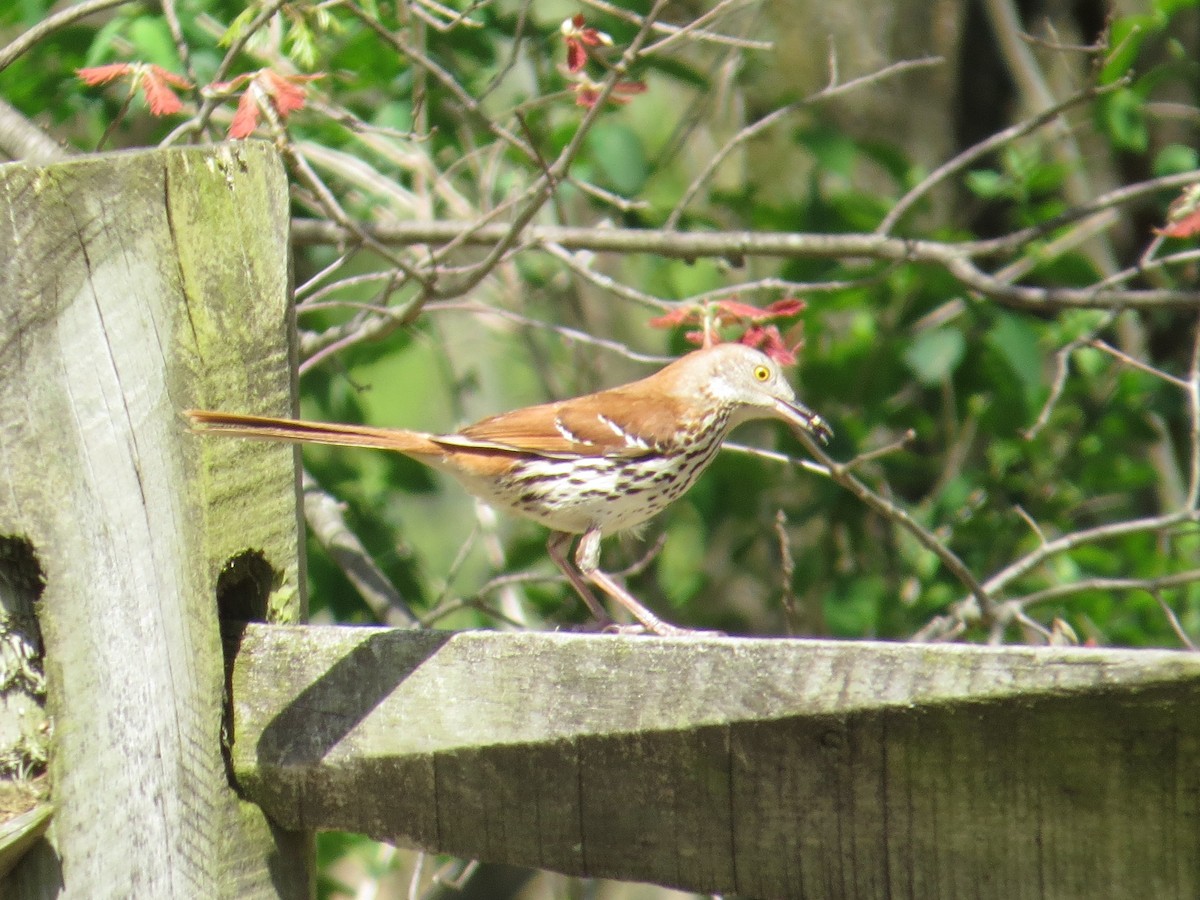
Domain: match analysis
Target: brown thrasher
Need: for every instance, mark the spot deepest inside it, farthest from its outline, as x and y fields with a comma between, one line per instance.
x=594, y=465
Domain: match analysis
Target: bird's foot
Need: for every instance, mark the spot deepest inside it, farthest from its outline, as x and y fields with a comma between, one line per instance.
x=662, y=629
x=617, y=628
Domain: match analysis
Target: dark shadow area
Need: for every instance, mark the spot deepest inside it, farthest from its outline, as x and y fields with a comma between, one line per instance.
x=320, y=716
x=300, y=732
x=243, y=593
x=38, y=873
x=244, y=587
x=24, y=785
x=986, y=100
x=19, y=566
x=21, y=584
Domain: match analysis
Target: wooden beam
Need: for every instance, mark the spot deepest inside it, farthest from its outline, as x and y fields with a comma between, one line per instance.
x=133, y=285
x=769, y=768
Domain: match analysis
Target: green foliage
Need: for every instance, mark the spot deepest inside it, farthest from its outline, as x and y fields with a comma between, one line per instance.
x=934, y=355
x=619, y=157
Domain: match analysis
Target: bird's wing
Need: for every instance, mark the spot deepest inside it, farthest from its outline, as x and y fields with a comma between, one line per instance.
x=616, y=422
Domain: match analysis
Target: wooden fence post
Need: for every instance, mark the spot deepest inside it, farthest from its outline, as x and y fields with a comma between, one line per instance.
x=133, y=285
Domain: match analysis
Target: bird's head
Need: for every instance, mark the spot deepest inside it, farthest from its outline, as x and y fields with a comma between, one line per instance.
x=754, y=385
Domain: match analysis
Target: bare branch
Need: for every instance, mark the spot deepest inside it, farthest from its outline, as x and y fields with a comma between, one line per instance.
x=199, y=122
x=668, y=29
x=51, y=24
x=983, y=148
x=775, y=116
x=736, y=246
x=1150, y=585
x=324, y=516
x=1138, y=364
x=1193, y=396
x=841, y=474
x=697, y=28
x=21, y=139
x=967, y=611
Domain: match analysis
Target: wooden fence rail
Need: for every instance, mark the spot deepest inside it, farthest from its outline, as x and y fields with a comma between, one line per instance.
x=136, y=285
x=768, y=768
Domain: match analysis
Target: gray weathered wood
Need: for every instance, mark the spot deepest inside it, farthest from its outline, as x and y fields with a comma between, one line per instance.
x=132, y=286
x=770, y=768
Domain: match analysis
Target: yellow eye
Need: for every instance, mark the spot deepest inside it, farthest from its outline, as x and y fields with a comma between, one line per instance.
x=761, y=373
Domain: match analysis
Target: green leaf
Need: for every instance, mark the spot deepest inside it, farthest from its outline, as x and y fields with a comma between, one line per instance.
x=685, y=280
x=1073, y=324
x=618, y=153
x=1089, y=361
x=152, y=42
x=681, y=563
x=101, y=48
x=934, y=355
x=238, y=25
x=1045, y=178
x=1175, y=158
x=987, y=184
x=1016, y=342
x=855, y=611
x=1171, y=7
x=301, y=45
x=395, y=114
x=833, y=149
x=1123, y=116
x=1126, y=37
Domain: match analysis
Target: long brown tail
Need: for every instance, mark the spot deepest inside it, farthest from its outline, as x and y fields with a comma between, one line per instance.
x=265, y=428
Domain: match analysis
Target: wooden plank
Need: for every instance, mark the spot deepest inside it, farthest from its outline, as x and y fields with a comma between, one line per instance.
x=134, y=285
x=767, y=768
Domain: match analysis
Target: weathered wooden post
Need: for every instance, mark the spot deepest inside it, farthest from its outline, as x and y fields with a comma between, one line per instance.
x=133, y=285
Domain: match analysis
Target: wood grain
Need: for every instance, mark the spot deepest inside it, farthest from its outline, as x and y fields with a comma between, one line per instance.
x=134, y=285
x=766, y=768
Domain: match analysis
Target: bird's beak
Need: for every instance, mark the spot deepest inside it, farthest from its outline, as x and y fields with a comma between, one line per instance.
x=801, y=417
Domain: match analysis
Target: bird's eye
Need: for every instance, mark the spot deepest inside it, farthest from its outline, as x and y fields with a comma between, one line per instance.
x=761, y=373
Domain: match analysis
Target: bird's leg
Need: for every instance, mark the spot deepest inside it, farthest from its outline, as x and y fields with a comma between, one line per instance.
x=587, y=559
x=557, y=547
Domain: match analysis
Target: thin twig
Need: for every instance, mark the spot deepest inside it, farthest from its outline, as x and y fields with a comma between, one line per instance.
x=1014, y=241
x=668, y=29
x=323, y=513
x=199, y=121
x=842, y=476
x=1062, y=369
x=446, y=79
x=47, y=26
x=779, y=114
x=787, y=571
x=1173, y=619
x=695, y=29
x=1138, y=364
x=983, y=148
x=571, y=334
x=1150, y=585
x=966, y=610
x=1193, y=389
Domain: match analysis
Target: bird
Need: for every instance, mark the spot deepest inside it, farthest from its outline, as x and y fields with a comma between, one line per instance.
x=593, y=465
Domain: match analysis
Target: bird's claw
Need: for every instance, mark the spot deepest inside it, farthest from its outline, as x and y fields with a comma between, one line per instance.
x=663, y=630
